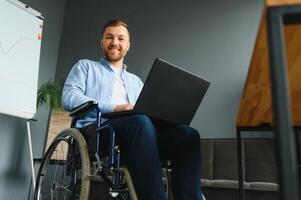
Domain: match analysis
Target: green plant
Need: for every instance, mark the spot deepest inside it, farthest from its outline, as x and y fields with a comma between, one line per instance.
x=49, y=94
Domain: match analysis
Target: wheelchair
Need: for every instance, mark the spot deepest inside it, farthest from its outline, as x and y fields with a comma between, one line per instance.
x=67, y=169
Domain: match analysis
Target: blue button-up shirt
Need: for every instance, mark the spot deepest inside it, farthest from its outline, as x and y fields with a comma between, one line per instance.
x=93, y=81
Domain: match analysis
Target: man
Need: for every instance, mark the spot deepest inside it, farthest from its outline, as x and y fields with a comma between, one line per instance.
x=142, y=142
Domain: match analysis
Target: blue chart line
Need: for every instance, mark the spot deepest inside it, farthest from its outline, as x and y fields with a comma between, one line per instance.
x=10, y=48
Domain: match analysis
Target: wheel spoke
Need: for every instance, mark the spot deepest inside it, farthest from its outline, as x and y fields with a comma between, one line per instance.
x=58, y=174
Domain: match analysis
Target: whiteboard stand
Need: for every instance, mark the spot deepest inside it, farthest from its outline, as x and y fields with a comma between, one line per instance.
x=31, y=155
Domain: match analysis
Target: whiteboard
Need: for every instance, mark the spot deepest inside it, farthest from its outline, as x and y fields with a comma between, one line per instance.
x=20, y=44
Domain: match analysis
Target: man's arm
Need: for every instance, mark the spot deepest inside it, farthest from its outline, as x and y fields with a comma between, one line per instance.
x=75, y=87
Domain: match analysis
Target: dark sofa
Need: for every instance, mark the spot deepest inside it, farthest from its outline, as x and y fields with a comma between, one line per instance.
x=220, y=171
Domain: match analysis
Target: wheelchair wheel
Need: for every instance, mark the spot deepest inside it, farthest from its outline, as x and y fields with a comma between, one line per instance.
x=65, y=169
x=126, y=184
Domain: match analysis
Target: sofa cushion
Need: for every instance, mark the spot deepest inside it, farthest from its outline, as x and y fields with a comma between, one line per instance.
x=225, y=160
x=264, y=186
x=207, y=159
x=221, y=183
x=260, y=162
x=260, y=186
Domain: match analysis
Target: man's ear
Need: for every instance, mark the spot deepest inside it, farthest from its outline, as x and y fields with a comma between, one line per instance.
x=100, y=42
x=129, y=45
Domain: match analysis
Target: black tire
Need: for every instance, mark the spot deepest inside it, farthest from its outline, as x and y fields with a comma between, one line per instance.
x=127, y=180
x=65, y=169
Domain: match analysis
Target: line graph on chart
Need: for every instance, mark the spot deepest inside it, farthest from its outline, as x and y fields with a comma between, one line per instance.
x=6, y=51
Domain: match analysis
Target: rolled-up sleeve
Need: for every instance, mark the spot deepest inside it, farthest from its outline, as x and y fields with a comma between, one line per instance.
x=75, y=86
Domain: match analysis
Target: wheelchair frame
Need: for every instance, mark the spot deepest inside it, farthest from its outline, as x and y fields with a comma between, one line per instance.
x=77, y=146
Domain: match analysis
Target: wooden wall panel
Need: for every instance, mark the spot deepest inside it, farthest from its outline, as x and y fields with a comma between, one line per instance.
x=281, y=2
x=256, y=105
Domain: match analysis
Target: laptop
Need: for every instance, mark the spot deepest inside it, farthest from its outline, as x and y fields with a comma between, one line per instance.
x=169, y=94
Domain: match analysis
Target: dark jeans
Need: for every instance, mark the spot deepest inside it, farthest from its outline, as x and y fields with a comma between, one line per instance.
x=144, y=143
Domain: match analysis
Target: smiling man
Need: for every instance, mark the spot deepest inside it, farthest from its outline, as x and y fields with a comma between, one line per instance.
x=115, y=44
x=142, y=142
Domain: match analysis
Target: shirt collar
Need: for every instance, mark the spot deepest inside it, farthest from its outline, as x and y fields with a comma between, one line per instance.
x=104, y=62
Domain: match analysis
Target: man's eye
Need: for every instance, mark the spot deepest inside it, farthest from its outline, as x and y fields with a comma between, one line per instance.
x=121, y=39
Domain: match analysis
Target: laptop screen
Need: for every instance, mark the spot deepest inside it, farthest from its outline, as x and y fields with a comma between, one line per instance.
x=171, y=93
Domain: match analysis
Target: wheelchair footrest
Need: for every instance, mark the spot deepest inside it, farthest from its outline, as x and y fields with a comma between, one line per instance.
x=96, y=178
x=119, y=190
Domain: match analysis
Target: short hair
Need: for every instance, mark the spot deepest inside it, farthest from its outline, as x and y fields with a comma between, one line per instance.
x=115, y=22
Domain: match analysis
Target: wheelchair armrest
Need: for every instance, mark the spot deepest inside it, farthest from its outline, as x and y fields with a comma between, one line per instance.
x=85, y=107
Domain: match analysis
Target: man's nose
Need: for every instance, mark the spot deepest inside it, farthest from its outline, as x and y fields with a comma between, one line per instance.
x=114, y=41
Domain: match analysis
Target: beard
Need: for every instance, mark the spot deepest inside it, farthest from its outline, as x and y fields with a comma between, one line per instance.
x=114, y=56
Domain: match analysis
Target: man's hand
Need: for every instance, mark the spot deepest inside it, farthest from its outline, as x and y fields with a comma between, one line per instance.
x=123, y=107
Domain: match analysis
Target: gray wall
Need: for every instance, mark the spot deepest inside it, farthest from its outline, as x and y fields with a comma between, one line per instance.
x=15, y=171
x=213, y=39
